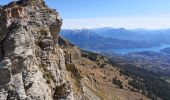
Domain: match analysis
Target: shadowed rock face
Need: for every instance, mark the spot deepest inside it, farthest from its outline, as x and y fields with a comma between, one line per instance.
x=32, y=66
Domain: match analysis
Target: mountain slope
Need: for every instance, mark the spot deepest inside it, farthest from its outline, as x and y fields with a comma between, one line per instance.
x=153, y=61
x=127, y=76
x=92, y=76
x=166, y=50
x=135, y=34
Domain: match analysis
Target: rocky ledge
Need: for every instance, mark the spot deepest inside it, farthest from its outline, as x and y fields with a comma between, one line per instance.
x=32, y=65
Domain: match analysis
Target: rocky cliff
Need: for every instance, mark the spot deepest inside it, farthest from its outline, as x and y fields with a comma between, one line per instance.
x=38, y=64
x=32, y=65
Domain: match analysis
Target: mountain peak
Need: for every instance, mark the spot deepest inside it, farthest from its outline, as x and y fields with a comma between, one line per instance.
x=30, y=11
x=32, y=2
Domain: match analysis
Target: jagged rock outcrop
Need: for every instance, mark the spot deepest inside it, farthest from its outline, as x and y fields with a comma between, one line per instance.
x=32, y=65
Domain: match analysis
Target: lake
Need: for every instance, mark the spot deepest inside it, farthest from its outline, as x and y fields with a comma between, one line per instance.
x=131, y=50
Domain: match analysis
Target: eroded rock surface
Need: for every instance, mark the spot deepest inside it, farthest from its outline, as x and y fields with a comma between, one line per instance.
x=32, y=65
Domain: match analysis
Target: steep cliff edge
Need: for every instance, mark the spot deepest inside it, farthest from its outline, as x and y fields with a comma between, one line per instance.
x=32, y=65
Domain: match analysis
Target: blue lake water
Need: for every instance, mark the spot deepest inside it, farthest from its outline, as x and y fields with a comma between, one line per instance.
x=126, y=51
x=130, y=50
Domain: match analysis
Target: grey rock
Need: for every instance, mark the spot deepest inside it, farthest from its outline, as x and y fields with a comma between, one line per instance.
x=32, y=65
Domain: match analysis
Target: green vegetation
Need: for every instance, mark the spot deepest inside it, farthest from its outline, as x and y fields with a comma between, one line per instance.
x=59, y=91
x=136, y=84
x=47, y=74
x=90, y=55
x=74, y=71
x=117, y=82
x=147, y=81
x=44, y=31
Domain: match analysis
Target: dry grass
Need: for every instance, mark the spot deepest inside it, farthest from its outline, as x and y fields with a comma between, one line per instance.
x=74, y=72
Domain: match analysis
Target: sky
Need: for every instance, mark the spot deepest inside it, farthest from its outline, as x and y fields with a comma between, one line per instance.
x=149, y=14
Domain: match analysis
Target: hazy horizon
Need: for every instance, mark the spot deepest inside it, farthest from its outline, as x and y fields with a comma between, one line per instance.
x=110, y=27
x=128, y=23
x=129, y=14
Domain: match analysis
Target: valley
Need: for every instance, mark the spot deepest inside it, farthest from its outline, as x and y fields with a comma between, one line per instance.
x=120, y=41
x=151, y=56
x=147, y=53
x=124, y=51
x=40, y=60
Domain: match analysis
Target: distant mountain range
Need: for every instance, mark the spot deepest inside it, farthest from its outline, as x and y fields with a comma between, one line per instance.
x=166, y=50
x=110, y=38
x=149, y=70
x=103, y=39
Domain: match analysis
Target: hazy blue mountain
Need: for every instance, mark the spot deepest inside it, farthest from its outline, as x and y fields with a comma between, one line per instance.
x=90, y=39
x=111, y=38
x=120, y=33
x=161, y=36
x=166, y=50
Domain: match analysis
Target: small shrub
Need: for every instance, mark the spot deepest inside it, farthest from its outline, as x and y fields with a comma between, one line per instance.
x=136, y=84
x=44, y=31
x=92, y=56
x=16, y=6
x=117, y=82
x=74, y=71
x=104, y=77
x=59, y=91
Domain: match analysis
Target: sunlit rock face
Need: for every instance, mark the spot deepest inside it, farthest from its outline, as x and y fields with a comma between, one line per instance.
x=32, y=65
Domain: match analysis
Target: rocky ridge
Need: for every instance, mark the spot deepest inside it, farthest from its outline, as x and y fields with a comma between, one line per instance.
x=32, y=65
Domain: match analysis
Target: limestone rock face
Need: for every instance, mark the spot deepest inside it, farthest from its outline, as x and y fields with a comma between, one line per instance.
x=32, y=65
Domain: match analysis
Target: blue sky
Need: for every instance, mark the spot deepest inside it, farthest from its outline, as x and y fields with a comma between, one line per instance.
x=151, y=14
